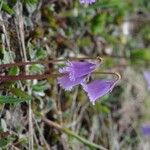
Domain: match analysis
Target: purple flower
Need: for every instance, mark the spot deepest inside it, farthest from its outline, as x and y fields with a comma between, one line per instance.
x=75, y=72
x=77, y=69
x=67, y=84
x=98, y=88
x=145, y=129
x=147, y=78
x=87, y=1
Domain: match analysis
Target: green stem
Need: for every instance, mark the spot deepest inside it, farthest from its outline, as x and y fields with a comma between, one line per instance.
x=71, y=133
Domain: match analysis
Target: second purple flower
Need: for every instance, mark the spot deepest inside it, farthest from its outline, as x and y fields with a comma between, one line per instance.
x=98, y=88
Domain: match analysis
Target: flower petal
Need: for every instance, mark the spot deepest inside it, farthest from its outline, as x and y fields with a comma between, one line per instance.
x=80, y=68
x=145, y=129
x=87, y=1
x=147, y=78
x=98, y=88
x=67, y=84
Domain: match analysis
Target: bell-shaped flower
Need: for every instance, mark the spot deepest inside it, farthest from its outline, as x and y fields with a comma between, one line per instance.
x=77, y=69
x=75, y=72
x=98, y=88
x=147, y=78
x=87, y=1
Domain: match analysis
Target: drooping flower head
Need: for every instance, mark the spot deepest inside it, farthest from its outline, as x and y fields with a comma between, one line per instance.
x=77, y=69
x=98, y=88
x=147, y=78
x=87, y=1
x=75, y=72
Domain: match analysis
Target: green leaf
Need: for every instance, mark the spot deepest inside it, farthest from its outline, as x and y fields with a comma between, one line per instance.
x=12, y=99
x=3, y=142
x=6, y=7
x=13, y=70
x=39, y=87
x=99, y=23
x=40, y=53
x=36, y=68
x=19, y=93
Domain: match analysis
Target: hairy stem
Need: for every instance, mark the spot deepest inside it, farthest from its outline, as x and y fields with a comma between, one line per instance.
x=48, y=61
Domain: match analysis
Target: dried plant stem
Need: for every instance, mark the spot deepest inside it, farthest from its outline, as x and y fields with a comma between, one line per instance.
x=71, y=133
x=21, y=39
x=30, y=128
x=47, y=61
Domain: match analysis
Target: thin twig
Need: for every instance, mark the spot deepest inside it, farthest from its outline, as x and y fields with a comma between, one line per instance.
x=41, y=134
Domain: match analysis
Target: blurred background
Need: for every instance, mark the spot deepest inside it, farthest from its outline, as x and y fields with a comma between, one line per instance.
x=34, y=30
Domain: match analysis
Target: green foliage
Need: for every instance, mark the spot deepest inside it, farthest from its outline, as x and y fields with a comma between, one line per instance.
x=13, y=100
x=20, y=96
x=140, y=54
x=36, y=68
x=3, y=142
x=145, y=32
x=101, y=108
x=30, y=2
x=39, y=87
x=19, y=93
x=6, y=7
x=99, y=23
x=13, y=70
x=40, y=53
